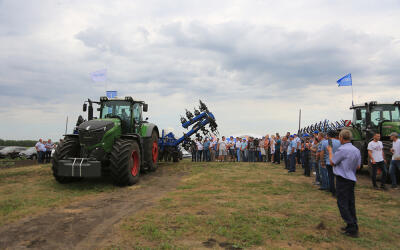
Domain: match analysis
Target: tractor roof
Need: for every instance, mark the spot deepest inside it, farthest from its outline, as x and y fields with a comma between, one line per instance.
x=126, y=98
x=361, y=105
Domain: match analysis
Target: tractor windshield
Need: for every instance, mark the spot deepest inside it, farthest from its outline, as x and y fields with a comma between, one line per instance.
x=117, y=109
x=385, y=113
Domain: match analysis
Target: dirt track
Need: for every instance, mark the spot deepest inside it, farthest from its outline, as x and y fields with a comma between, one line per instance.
x=87, y=224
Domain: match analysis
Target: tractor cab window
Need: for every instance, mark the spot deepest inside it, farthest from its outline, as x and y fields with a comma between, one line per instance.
x=360, y=122
x=137, y=113
x=384, y=113
x=118, y=109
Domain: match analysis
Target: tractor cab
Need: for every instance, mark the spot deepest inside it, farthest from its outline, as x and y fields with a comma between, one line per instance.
x=372, y=117
x=127, y=110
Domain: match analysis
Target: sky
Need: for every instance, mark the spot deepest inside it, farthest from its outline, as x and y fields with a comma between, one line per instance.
x=254, y=63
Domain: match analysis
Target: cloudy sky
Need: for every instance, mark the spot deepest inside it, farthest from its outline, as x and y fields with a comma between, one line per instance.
x=255, y=63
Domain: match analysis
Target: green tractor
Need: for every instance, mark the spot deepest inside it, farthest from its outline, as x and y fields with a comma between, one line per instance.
x=371, y=118
x=119, y=143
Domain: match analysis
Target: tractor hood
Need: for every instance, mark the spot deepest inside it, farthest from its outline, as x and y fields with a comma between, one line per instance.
x=92, y=133
x=96, y=125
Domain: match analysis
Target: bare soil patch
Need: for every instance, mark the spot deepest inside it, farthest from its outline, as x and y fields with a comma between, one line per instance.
x=89, y=223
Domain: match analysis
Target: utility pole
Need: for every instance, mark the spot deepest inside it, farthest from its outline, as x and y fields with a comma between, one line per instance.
x=66, y=125
x=299, y=121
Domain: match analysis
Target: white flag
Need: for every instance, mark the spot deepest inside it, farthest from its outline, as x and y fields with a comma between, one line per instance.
x=99, y=76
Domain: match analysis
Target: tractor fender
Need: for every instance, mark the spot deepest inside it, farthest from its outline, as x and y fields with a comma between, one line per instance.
x=148, y=128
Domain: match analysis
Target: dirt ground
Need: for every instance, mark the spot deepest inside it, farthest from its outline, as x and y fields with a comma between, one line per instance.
x=87, y=224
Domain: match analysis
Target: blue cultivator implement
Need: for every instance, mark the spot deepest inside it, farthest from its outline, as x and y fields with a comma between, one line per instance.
x=169, y=146
x=323, y=126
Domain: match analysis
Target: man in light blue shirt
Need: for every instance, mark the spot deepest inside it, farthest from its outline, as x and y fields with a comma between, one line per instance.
x=345, y=162
x=330, y=146
x=243, y=148
x=292, y=149
x=322, y=163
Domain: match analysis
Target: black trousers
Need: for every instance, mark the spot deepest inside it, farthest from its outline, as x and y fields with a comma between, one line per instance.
x=375, y=167
x=346, y=201
x=277, y=157
x=306, y=162
x=331, y=178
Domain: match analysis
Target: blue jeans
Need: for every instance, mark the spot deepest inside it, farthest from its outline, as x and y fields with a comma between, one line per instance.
x=324, y=177
x=206, y=155
x=238, y=154
x=251, y=155
x=292, y=162
x=394, y=165
x=245, y=155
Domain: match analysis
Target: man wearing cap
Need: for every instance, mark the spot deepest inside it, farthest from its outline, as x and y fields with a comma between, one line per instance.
x=345, y=162
x=377, y=157
x=395, y=163
x=330, y=147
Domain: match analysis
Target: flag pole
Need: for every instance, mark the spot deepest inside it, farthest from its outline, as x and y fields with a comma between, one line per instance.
x=352, y=95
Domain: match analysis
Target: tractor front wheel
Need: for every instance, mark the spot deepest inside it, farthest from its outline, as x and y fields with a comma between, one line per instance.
x=125, y=162
x=69, y=148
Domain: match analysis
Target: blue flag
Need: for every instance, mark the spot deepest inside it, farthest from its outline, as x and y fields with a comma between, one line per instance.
x=345, y=81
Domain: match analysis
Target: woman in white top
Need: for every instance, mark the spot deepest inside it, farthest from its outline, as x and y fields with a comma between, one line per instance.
x=272, y=147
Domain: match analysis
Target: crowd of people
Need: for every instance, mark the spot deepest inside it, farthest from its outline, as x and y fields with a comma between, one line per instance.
x=329, y=156
x=43, y=150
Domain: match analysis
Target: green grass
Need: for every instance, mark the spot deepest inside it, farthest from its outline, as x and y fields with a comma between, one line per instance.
x=259, y=206
x=29, y=190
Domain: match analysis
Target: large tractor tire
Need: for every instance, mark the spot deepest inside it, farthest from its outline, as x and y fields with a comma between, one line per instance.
x=125, y=162
x=69, y=148
x=152, y=151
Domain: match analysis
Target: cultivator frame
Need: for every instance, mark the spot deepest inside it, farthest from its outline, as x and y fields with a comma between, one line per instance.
x=169, y=145
x=323, y=126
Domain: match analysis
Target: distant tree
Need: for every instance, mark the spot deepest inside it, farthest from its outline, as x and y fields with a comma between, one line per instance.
x=22, y=143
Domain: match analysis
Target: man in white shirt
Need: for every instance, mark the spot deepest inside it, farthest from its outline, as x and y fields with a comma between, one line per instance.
x=40, y=149
x=199, y=150
x=222, y=148
x=377, y=157
x=395, y=163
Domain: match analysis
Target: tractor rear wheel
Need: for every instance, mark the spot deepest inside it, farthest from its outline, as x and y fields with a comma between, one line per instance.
x=69, y=148
x=152, y=152
x=125, y=162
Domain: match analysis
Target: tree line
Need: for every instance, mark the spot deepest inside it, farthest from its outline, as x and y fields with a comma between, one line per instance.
x=22, y=143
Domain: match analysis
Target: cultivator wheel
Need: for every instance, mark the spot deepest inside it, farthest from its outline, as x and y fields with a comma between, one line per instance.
x=152, y=152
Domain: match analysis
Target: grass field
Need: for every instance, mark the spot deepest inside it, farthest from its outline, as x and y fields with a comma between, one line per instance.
x=29, y=190
x=233, y=206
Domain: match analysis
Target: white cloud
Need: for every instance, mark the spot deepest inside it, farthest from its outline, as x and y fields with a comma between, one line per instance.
x=254, y=63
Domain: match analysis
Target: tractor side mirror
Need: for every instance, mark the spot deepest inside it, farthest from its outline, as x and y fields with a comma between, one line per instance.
x=358, y=114
x=84, y=107
x=145, y=107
